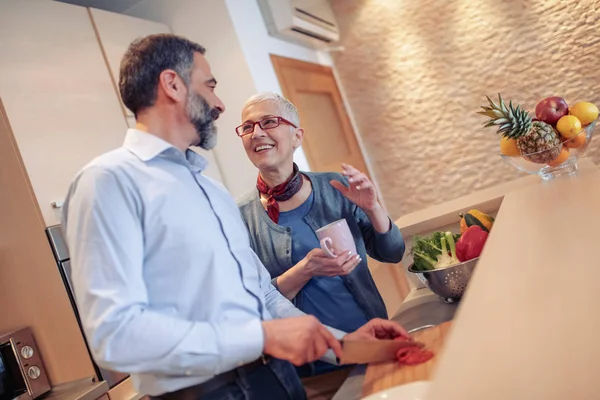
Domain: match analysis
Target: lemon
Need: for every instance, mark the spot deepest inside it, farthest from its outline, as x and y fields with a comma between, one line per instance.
x=569, y=126
x=508, y=147
x=585, y=111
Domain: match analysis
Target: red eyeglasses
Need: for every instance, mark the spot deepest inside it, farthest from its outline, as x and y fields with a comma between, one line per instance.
x=266, y=123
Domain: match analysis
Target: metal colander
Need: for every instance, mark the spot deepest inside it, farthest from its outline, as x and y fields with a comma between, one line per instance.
x=450, y=282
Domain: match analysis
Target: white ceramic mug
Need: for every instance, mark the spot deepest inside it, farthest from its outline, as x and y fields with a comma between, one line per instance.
x=336, y=238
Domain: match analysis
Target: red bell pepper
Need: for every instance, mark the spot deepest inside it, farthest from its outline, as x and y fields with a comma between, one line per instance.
x=470, y=244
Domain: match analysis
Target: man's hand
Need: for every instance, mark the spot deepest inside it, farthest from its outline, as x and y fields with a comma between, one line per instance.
x=298, y=340
x=378, y=329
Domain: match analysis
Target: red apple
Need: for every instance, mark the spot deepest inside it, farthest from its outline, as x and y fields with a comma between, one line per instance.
x=551, y=109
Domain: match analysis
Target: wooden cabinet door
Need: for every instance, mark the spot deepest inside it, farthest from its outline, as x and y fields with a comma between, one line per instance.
x=115, y=33
x=57, y=92
x=32, y=292
x=329, y=137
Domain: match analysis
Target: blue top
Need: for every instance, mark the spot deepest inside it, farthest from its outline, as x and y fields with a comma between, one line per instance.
x=274, y=244
x=167, y=285
x=323, y=296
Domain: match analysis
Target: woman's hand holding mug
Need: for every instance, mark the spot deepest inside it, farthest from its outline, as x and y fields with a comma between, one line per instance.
x=318, y=263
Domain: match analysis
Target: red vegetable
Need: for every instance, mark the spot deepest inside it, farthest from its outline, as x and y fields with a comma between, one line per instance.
x=413, y=355
x=471, y=243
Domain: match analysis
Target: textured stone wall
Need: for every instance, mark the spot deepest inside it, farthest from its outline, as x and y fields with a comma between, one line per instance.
x=416, y=71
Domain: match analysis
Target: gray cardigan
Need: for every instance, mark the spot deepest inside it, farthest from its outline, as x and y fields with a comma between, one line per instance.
x=273, y=243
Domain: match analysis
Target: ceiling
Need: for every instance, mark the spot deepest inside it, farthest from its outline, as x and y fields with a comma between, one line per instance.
x=108, y=5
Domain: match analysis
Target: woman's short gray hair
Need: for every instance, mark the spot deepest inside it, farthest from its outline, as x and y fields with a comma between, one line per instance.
x=286, y=108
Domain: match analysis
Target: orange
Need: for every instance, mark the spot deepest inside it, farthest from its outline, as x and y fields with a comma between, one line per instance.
x=576, y=142
x=585, y=111
x=508, y=147
x=569, y=126
x=562, y=157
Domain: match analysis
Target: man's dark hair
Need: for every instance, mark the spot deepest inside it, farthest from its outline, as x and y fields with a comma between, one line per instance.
x=143, y=62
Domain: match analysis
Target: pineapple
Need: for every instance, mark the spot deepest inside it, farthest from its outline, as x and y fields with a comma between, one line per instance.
x=537, y=141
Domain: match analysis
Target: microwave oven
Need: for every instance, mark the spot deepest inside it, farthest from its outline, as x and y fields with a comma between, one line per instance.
x=22, y=373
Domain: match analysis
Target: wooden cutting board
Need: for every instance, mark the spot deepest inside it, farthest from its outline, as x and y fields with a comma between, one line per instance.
x=382, y=376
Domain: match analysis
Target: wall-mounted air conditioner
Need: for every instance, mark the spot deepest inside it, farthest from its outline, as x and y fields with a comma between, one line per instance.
x=307, y=22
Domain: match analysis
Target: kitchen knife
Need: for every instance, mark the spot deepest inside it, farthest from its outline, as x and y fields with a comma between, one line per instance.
x=372, y=351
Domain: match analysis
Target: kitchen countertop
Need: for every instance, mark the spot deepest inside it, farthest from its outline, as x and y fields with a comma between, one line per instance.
x=124, y=391
x=503, y=342
x=420, y=309
x=84, y=389
x=516, y=335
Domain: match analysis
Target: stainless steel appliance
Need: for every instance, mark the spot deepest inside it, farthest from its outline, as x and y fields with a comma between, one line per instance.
x=61, y=253
x=22, y=372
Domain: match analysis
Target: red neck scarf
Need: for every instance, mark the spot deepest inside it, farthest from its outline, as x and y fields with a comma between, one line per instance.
x=282, y=192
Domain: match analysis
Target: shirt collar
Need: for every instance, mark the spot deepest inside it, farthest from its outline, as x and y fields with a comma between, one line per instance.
x=198, y=162
x=147, y=146
x=144, y=145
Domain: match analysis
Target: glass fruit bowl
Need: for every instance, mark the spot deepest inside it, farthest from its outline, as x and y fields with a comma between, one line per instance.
x=564, y=155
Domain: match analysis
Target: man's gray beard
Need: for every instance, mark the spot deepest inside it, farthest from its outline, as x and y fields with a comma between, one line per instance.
x=203, y=118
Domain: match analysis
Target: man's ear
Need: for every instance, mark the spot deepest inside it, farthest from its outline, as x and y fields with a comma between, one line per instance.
x=298, y=137
x=172, y=85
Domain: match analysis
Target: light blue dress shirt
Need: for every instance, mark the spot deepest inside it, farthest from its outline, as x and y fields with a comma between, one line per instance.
x=166, y=283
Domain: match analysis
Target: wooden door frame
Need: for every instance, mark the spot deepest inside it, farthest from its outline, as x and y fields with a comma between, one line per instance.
x=279, y=63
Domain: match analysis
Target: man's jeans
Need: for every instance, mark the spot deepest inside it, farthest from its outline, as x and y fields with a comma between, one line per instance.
x=277, y=380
